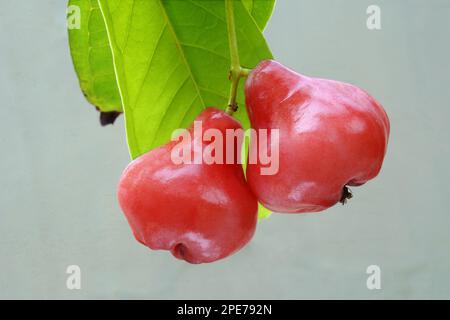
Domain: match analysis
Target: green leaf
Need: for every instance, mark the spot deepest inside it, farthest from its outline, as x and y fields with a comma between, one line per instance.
x=263, y=212
x=260, y=10
x=92, y=58
x=172, y=61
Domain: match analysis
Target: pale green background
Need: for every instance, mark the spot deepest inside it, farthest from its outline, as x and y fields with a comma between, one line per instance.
x=59, y=169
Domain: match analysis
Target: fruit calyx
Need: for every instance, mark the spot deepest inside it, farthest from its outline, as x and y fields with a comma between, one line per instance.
x=346, y=195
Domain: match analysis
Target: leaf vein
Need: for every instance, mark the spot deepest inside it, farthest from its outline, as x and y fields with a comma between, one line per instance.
x=205, y=49
x=187, y=110
x=169, y=107
x=208, y=11
x=217, y=93
x=127, y=32
x=180, y=49
x=149, y=64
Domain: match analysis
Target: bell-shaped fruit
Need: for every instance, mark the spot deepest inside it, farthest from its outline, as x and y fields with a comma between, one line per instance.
x=331, y=135
x=198, y=210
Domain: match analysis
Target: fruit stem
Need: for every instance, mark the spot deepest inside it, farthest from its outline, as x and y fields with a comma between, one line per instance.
x=236, y=71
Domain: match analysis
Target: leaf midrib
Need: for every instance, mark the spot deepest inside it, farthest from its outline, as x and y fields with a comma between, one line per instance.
x=180, y=49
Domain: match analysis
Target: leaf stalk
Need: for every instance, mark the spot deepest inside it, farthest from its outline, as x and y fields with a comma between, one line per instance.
x=236, y=71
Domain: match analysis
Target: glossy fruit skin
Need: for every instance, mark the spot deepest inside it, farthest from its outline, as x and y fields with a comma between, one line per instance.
x=332, y=135
x=199, y=212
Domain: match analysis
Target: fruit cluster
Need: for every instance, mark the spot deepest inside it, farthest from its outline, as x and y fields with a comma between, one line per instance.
x=331, y=135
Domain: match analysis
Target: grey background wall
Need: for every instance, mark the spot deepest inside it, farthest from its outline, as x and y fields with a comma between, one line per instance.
x=59, y=169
